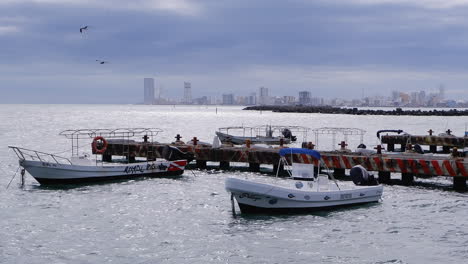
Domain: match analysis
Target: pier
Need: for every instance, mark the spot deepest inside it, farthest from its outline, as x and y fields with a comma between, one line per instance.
x=409, y=164
x=447, y=141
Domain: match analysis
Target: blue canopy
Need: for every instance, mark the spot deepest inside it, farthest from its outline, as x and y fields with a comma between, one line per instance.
x=311, y=152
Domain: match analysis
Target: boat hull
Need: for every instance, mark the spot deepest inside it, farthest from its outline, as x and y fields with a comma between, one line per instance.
x=53, y=173
x=238, y=140
x=250, y=209
x=255, y=197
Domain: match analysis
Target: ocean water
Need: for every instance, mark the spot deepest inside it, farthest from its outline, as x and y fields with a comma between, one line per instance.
x=189, y=219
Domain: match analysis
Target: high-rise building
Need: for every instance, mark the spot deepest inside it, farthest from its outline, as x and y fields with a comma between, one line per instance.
x=187, y=93
x=148, y=91
x=422, y=98
x=289, y=99
x=441, y=92
x=228, y=99
x=263, y=97
x=252, y=99
x=304, y=97
x=316, y=101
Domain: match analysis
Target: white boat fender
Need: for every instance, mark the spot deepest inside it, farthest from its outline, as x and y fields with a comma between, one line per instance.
x=361, y=176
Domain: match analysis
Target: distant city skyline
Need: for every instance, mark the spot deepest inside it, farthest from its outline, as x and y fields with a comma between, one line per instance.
x=263, y=97
x=332, y=48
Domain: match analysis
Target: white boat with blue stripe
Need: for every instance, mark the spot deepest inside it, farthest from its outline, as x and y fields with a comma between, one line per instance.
x=306, y=190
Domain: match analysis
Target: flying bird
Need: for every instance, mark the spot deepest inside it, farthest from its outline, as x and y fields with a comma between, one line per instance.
x=102, y=62
x=83, y=29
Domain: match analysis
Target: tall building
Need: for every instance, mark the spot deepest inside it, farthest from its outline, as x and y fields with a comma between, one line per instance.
x=228, y=99
x=148, y=91
x=252, y=99
x=304, y=97
x=263, y=97
x=289, y=99
x=316, y=101
x=441, y=92
x=187, y=93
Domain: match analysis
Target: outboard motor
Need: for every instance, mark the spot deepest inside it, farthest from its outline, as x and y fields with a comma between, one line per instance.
x=173, y=153
x=418, y=149
x=287, y=134
x=361, y=176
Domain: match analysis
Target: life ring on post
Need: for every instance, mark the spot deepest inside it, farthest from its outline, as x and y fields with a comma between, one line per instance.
x=99, y=145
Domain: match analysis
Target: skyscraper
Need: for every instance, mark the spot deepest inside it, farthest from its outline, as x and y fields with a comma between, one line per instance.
x=441, y=92
x=228, y=99
x=263, y=97
x=148, y=91
x=304, y=97
x=187, y=93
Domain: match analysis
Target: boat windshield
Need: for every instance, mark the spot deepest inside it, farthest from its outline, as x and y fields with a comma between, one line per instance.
x=302, y=170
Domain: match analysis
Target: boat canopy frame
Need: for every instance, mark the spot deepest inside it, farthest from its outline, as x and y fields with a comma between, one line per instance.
x=265, y=130
x=313, y=153
x=334, y=131
x=125, y=134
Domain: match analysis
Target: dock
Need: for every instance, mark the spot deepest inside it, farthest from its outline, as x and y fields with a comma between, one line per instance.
x=409, y=164
x=446, y=141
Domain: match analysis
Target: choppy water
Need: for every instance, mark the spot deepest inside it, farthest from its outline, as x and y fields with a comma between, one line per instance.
x=189, y=219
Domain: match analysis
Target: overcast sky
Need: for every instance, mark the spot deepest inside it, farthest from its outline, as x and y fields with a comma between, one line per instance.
x=333, y=48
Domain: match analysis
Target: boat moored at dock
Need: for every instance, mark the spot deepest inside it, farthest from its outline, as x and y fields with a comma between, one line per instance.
x=269, y=135
x=49, y=168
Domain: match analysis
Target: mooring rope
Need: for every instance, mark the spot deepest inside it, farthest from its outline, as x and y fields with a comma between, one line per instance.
x=13, y=177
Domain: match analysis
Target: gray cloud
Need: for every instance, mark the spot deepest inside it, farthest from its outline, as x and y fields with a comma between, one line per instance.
x=226, y=46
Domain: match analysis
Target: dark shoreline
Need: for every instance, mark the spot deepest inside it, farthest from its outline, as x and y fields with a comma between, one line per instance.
x=355, y=111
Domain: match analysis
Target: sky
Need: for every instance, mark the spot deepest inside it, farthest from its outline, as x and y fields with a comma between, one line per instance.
x=332, y=48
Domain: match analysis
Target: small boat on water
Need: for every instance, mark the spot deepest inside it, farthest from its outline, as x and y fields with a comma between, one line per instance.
x=306, y=190
x=49, y=168
x=269, y=135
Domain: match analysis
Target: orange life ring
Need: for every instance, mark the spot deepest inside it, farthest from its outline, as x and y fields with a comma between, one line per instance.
x=97, y=148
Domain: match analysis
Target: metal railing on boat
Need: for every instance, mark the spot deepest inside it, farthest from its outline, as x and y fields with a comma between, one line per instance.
x=22, y=153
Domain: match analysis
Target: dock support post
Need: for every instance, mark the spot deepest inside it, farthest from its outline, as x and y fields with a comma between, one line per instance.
x=445, y=149
x=459, y=184
x=201, y=164
x=407, y=178
x=338, y=172
x=384, y=176
x=106, y=158
x=224, y=165
x=391, y=147
x=254, y=167
x=403, y=147
x=433, y=148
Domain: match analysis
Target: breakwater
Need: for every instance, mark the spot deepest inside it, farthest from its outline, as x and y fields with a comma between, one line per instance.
x=356, y=111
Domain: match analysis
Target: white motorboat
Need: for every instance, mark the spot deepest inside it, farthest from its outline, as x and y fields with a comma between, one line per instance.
x=49, y=168
x=305, y=191
x=270, y=135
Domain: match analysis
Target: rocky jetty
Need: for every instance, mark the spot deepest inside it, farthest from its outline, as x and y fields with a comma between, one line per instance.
x=356, y=111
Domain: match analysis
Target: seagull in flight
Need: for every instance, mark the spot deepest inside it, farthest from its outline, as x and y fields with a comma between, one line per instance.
x=83, y=29
x=102, y=62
